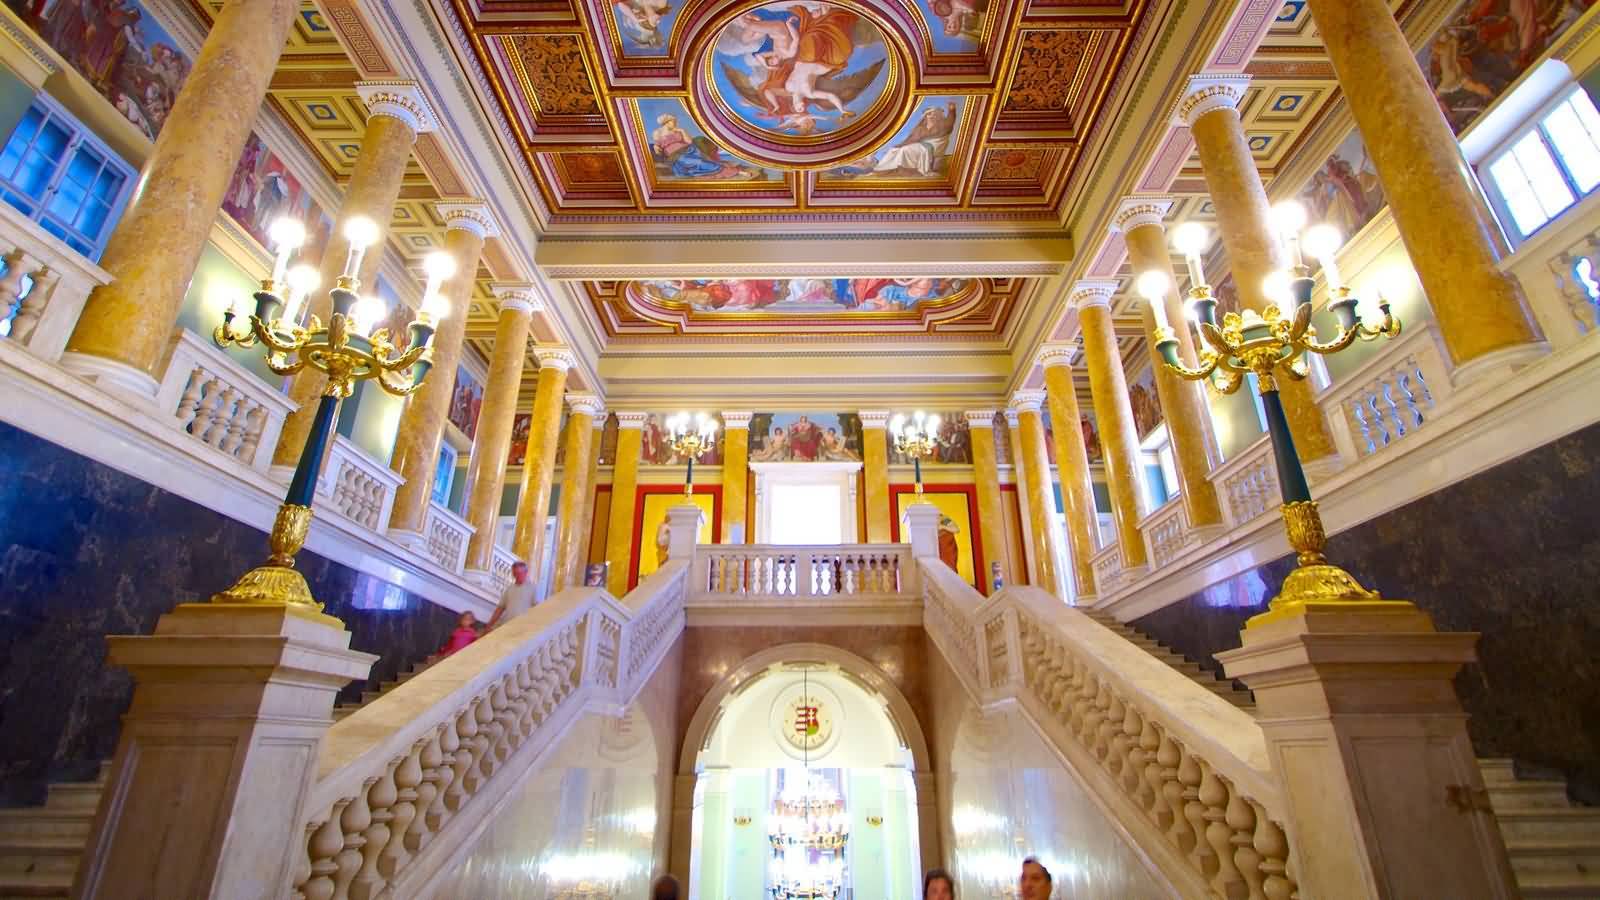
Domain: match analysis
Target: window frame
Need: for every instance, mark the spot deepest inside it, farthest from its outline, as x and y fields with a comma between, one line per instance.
x=80, y=135
x=1533, y=124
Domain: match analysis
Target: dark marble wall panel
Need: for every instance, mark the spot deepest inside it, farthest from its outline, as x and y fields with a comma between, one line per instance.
x=86, y=551
x=1513, y=553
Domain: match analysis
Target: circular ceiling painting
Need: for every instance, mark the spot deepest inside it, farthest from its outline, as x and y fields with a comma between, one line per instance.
x=801, y=83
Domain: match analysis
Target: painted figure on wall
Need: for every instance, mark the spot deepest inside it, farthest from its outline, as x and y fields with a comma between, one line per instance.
x=1145, y=403
x=800, y=68
x=1346, y=191
x=805, y=437
x=681, y=151
x=520, y=425
x=1487, y=45
x=262, y=189
x=655, y=445
x=921, y=150
x=802, y=295
x=953, y=443
x=465, y=403
x=1091, y=439
x=949, y=548
x=954, y=26
x=643, y=26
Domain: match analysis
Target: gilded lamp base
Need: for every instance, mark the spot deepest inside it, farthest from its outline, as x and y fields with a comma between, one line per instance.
x=1314, y=580
x=276, y=583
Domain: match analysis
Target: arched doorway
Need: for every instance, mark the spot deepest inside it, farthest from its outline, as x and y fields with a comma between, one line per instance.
x=807, y=772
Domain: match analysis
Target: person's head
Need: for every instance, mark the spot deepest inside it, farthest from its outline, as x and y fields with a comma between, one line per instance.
x=938, y=885
x=467, y=620
x=519, y=572
x=1035, y=881
x=665, y=888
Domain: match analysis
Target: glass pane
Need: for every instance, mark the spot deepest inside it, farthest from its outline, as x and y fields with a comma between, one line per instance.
x=1540, y=168
x=1518, y=194
x=108, y=185
x=92, y=219
x=11, y=157
x=85, y=167
x=34, y=175
x=52, y=140
x=1574, y=145
x=67, y=201
x=20, y=202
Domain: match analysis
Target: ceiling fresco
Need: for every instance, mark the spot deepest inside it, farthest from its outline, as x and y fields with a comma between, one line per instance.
x=632, y=110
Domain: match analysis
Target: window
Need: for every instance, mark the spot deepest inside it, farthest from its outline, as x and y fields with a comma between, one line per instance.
x=443, y=474
x=1546, y=168
x=61, y=176
x=1160, y=469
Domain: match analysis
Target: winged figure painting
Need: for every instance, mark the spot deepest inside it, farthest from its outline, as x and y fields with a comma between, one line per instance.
x=801, y=68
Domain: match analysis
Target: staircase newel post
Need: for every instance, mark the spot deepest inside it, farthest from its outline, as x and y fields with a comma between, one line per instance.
x=1382, y=790
x=218, y=752
x=683, y=534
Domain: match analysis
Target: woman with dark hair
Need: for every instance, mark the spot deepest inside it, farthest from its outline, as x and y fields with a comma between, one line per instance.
x=666, y=888
x=938, y=885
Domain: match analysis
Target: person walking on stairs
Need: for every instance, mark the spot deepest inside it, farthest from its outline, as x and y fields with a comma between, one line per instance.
x=517, y=597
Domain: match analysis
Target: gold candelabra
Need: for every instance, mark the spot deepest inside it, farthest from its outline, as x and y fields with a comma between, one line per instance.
x=350, y=348
x=916, y=438
x=1266, y=344
x=691, y=437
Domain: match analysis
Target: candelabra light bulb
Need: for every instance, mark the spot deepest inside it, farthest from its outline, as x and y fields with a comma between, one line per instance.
x=1322, y=241
x=1153, y=285
x=1191, y=238
x=286, y=232
x=302, y=280
x=1278, y=287
x=1290, y=218
x=932, y=424
x=435, y=307
x=897, y=423
x=361, y=232
x=367, y=313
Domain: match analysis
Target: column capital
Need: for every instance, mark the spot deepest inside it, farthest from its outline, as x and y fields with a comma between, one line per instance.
x=519, y=296
x=874, y=418
x=979, y=418
x=1027, y=401
x=1053, y=355
x=1011, y=417
x=1208, y=93
x=469, y=215
x=587, y=405
x=401, y=100
x=1093, y=292
x=737, y=419
x=633, y=420
x=555, y=358
x=1137, y=212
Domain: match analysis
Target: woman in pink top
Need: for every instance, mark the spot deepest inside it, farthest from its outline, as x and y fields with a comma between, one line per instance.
x=466, y=632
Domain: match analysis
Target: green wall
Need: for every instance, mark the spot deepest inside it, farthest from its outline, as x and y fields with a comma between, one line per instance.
x=370, y=418
x=217, y=282
x=1233, y=417
x=15, y=97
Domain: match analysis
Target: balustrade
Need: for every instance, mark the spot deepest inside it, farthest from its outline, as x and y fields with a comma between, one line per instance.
x=1392, y=395
x=500, y=568
x=1107, y=566
x=1248, y=483
x=43, y=285
x=358, y=486
x=1559, y=270
x=219, y=403
x=1167, y=532
x=756, y=571
x=446, y=536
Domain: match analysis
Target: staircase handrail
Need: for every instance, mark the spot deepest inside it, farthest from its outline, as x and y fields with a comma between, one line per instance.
x=1175, y=761
x=394, y=776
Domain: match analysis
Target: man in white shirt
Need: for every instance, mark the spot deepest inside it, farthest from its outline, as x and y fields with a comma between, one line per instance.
x=518, y=595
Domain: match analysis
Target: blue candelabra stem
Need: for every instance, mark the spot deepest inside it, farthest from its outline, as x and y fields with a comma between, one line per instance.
x=304, y=485
x=1291, y=477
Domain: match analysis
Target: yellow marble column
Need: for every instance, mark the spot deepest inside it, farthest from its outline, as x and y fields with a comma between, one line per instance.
x=1244, y=220
x=122, y=332
x=1113, y=413
x=538, y=468
x=1035, y=464
x=491, y=447
x=1014, y=431
x=422, y=419
x=1183, y=403
x=1450, y=234
x=735, y=476
x=624, y=500
x=1072, y=468
x=990, y=512
x=592, y=479
x=397, y=113
x=875, y=473
x=572, y=511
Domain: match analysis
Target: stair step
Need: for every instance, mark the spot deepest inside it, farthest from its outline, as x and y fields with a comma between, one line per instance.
x=38, y=855
x=1579, y=857
x=1558, y=885
x=1529, y=795
x=1555, y=824
x=34, y=884
x=75, y=795
x=41, y=821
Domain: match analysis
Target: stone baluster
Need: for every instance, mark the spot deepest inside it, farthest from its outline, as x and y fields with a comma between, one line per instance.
x=1225, y=880
x=1194, y=812
x=483, y=762
x=435, y=774
x=17, y=264
x=1133, y=749
x=443, y=806
x=466, y=730
x=1109, y=740
x=1170, y=758
x=255, y=422
x=33, y=305
x=381, y=797
x=1273, y=847
x=1241, y=820
x=234, y=402
x=408, y=782
x=189, y=403
x=355, y=821
x=326, y=842
x=1151, y=740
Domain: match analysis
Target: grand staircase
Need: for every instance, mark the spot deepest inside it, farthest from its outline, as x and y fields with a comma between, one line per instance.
x=1554, y=844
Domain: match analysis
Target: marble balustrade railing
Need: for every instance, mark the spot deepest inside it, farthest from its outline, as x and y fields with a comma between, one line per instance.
x=500, y=568
x=1248, y=484
x=1184, y=771
x=1559, y=270
x=1107, y=565
x=1391, y=396
x=1167, y=532
x=216, y=401
x=43, y=285
x=756, y=571
x=358, y=486
x=446, y=535
x=405, y=784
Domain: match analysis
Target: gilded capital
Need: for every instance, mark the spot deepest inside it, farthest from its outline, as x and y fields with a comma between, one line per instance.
x=1026, y=401
x=979, y=418
x=1092, y=292
x=1137, y=212
x=740, y=419
x=874, y=418
x=555, y=357
x=1208, y=93
x=1011, y=417
x=469, y=215
x=517, y=296
x=1051, y=355
x=586, y=405
x=634, y=420
x=401, y=100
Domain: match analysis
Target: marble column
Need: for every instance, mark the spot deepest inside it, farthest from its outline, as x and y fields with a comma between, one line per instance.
x=1113, y=413
x=572, y=516
x=624, y=500
x=422, y=419
x=1183, y=402
x=1244, y=220
x=122, y=333
x=596, y=440
x=1035, y=465
x=397, y=113
x=538, y=468
x=1072, y=467
x=990, y=512
x=875, y=473
x=1449, y=232
x=1014, y=432
x=491, y=448
x=735, y=475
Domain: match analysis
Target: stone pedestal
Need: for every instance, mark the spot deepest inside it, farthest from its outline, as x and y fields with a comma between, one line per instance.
x=922, y=529
x=1369, y=741
x=683, y=529
x=218, y=752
